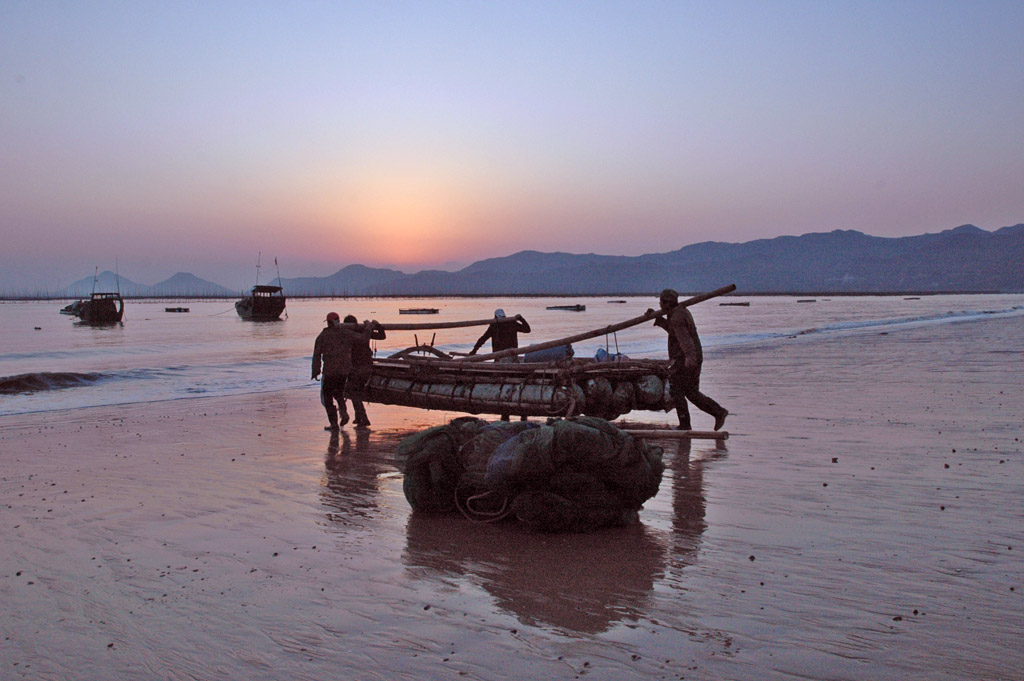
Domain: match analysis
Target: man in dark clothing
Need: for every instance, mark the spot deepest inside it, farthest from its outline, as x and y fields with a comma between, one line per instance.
x=362, y=367
x=504, y=333
x=686, y=355
x=334, y=348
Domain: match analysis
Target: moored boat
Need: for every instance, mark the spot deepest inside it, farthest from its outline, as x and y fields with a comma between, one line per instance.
x=418, y=310
x=264, y=303
x=568, y=308
x=100, y=308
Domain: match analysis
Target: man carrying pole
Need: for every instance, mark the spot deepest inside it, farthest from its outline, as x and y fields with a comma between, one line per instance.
x=686, y=357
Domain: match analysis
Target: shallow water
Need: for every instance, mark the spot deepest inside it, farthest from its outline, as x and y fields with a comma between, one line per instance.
x=155, y=355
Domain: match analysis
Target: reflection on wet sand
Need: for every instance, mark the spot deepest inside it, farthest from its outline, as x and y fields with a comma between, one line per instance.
x=688, y=501
x=580, y=582
x=351, y=484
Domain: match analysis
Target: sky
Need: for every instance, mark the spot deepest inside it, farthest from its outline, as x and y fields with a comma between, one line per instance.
x=193, y=136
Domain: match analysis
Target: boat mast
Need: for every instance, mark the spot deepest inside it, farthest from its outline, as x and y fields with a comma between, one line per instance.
x=117, y=278
x=95, y=278
x=258, y=256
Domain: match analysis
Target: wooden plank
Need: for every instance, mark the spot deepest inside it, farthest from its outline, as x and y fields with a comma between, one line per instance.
x=666, y=434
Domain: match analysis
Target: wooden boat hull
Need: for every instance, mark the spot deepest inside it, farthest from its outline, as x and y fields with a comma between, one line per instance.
x=264, y=305
x=578, y=386
x=101, y=308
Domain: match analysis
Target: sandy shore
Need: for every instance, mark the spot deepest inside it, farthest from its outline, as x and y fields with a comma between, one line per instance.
x=864, y=521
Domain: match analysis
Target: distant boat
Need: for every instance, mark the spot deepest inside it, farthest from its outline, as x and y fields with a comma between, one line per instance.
x=807, y=300
x=912, y=298
x=175, y=309
x=568, y=308
x=744, y=304
x=100, y=308
x=265, y=303
x=418, y=310
x=616, y=301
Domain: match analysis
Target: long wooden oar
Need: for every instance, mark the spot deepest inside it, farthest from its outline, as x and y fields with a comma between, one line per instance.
x=598, y=332
x=427, y=326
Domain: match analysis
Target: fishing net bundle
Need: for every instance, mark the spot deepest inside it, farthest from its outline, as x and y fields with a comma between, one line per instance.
x=574, y=474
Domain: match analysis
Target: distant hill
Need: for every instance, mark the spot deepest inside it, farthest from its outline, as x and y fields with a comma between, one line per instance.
x=181, y=285
x=964, y=259
x=186, y=284
x=354, y=280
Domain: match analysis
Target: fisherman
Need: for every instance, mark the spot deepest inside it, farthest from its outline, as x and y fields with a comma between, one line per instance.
x=686, y=356
x=362, y=367
x=504, y=334
x=334, y=347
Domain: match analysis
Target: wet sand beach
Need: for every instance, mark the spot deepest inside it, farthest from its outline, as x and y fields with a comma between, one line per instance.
x=863, y=521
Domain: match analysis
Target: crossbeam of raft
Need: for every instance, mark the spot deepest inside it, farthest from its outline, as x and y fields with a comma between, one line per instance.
x=666, y=434
x=586, y=335
x=428, y=326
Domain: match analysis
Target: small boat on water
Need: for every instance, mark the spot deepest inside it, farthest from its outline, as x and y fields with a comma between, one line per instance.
x=569, y=308
x=808, y=300
x=616, y=301
x=418, y=310
x=175, y=309
x=264, y=303
x=100, y=308
x=745, y=304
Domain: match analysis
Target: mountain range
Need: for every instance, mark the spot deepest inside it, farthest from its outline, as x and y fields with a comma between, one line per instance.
x=963, y=259
x=182, y=284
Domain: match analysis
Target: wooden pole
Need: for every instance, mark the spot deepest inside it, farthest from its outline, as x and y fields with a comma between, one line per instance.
x=666, y=434
x=598, y=332
x=427, y=326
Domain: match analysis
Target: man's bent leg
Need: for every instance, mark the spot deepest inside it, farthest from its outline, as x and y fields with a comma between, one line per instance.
x=703, y=402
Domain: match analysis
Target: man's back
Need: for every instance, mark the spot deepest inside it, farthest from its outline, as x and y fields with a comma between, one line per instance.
x=334, y=345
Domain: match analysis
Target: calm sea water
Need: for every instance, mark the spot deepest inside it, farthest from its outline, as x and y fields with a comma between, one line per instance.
x=48, y=361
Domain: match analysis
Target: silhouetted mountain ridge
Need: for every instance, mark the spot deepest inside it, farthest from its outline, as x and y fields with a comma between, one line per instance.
x=965, y=259
x=181, y=285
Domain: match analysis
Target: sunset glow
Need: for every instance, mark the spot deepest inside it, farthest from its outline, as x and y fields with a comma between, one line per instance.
x=186, y=139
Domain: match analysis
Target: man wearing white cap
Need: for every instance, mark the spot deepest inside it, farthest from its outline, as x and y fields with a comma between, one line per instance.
x=503, y=332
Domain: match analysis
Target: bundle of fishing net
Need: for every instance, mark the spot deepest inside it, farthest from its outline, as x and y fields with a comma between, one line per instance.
x=567, y=475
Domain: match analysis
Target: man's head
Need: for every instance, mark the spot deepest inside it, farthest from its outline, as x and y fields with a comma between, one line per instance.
x=351, y=319
x=668, y=299
x=332, y=318
x=499, y=313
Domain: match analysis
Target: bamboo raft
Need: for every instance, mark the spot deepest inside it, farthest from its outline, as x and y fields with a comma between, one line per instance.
x=424, y=377
x=566, y=388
